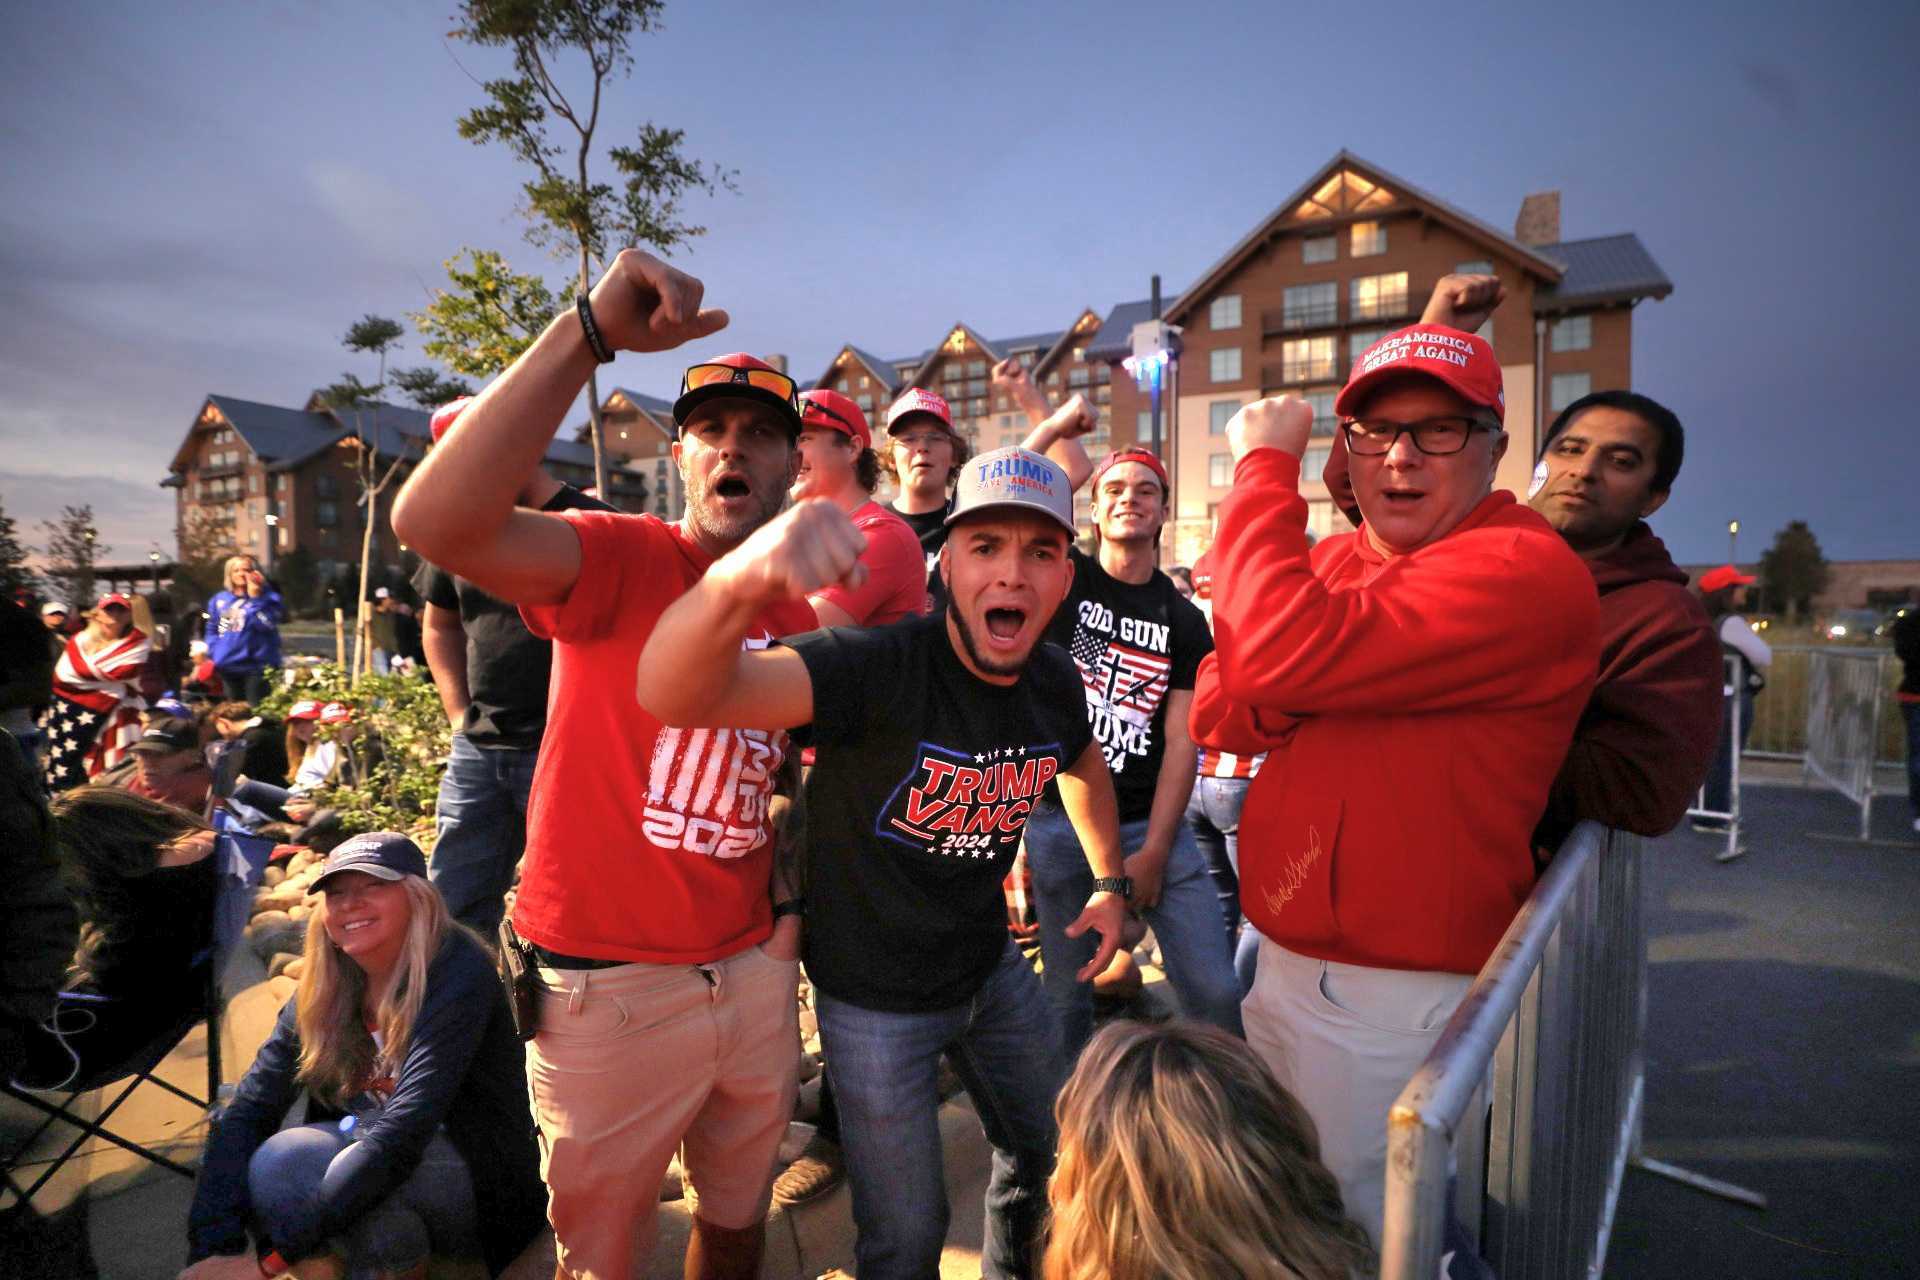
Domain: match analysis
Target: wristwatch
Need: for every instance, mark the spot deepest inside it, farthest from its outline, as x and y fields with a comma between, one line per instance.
x=1122, y=885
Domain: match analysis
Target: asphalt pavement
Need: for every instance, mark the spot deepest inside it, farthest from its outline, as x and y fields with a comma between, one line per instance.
x=1783, y=1048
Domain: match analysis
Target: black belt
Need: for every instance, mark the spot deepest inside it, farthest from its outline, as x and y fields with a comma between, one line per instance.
x=555, y=960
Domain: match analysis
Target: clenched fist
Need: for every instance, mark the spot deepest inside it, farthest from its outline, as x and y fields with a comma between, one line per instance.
x=1073, y=419
x=1278, y=422
x=642, y=304
x=809, y=548
x=1464, y=302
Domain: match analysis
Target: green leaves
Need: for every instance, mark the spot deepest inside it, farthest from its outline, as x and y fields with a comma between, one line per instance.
x=350, y=393
x=372, y=333
x=488, y=317
x=428, y=388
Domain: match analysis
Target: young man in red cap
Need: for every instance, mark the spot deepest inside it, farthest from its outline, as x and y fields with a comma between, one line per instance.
x=1415, y=684
x=645, y=898
x=492, y=675
x=935, y=738
x=1645, y=738
x=837, y=463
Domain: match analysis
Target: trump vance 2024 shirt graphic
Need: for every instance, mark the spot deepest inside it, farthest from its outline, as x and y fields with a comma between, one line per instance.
x=923, y=779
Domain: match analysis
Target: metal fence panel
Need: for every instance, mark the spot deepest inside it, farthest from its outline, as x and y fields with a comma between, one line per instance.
x=1780, y=712
x=1844, y=696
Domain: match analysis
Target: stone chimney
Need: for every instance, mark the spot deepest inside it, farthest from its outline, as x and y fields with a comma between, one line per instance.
x=1539, y=220
x=780, y=362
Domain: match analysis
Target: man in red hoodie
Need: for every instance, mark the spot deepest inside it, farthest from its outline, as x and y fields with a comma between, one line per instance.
x=1415, y=684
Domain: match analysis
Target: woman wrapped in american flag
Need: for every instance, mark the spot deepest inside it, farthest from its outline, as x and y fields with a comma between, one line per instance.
x=95, y=716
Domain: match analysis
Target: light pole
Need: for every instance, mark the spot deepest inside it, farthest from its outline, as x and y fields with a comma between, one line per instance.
x=273, y=525
x=1733, y=542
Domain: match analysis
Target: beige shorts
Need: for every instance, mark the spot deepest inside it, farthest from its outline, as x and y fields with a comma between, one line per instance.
x=635, y=1062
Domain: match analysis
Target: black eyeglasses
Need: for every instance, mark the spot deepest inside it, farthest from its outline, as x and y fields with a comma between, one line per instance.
x=811, y=407
x=1435, y=437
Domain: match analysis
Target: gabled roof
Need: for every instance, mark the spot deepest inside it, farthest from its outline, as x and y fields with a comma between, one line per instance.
x=1114, y=341
x=1060, y=343
x=274, y=433
x=1599, y=271
x=1529, y=256
x=932, y=353
x=881, y=369
x=652, y=405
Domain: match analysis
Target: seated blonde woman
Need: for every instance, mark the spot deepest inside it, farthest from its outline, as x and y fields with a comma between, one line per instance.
x=418, y=1142
x=1181, y=1158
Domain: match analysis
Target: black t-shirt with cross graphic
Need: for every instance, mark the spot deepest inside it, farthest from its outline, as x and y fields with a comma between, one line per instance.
x=923, y=778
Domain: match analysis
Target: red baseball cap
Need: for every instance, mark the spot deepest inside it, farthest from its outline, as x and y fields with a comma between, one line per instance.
x=336, y=713
x=1463, y=361
x=305, y=709
x=114, y=597
x=740, y=375
x=920, y=400
x=1723, y=577
x=832, y=411
x=1144, y=457
x=445, y=416
x=1202, y=571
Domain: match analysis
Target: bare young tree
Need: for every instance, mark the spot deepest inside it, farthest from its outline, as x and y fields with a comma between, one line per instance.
x=360, y=402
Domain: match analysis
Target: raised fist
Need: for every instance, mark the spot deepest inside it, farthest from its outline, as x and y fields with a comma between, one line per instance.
x=1073, y=419
x=642, y=304
x=808, y=548
x=1464, y=302
x=1278, y=422
x=1011, y=375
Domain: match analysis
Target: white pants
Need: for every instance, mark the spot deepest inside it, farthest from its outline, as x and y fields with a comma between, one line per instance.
x=1345, y=1040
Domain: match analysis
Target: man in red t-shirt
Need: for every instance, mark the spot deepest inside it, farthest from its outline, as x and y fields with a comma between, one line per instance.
x=837, y=462
x=668, y=1020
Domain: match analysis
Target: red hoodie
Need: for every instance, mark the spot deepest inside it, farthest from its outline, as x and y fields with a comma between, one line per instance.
x=1415, y=710
x=1647, y=735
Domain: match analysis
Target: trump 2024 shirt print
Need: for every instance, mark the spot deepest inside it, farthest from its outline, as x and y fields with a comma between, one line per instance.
x=1132, y=644
x=923, y=778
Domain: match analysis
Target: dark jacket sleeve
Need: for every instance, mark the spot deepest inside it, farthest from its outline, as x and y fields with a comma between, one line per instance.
x=40, y=924
x=453, y=1019
x=217, y=1221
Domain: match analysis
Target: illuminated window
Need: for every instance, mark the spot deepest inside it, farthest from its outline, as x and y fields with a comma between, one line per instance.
x=1574, y=333
x=1306, y=359
x=1219, y=413
x=1568, y=387
x=1220, y=470
x=1307, y=306
x=1360, y=339
x=1313, y=463
x=1376, y=297
x=1323, y=417
x=1223, y=364
x=1367, y=239
x=841, y=386
x=1319, y=249
x=1224, y=313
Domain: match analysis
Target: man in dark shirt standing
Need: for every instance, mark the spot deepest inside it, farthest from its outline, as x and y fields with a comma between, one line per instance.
x=492, y=676
x=1137, y=643
x=934, y=737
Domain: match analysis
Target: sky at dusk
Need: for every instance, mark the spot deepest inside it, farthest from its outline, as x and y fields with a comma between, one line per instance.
x=201, y=198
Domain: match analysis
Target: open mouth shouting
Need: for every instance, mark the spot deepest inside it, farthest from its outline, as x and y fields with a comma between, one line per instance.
x=731, y=487
x=1004, y=624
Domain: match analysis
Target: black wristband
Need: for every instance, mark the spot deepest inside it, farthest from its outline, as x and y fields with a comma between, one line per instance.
x=791, y=907
x=595, y=343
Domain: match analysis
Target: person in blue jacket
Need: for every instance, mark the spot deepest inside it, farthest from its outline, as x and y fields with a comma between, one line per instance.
x=418, y=1142
x=243, y=630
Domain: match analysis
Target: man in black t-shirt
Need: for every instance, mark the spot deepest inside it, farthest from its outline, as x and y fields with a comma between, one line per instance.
x=491, y=673
x=1137, y=642
x=934, y=738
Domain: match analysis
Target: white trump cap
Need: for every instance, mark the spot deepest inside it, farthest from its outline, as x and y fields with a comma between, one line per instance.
x=1014, y=477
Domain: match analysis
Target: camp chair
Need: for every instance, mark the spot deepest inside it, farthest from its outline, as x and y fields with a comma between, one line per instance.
x=242, y=859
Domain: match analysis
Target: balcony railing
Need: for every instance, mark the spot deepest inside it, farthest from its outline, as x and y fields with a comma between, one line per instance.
x=1294, y=373
x=1387, y=306
x=1285, y=320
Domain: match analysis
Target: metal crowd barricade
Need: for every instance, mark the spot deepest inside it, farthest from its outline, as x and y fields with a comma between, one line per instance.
x=1736, y=706
x=1844, y=689
x=1558, y=1016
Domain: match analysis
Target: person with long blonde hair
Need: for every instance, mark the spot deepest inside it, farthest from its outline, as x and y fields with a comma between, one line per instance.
x=243, y=629
x=419, y=1142
x=1182, y=1158
x=95, y=714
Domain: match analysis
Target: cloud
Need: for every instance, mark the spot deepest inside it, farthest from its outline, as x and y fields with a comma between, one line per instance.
x=130, y=516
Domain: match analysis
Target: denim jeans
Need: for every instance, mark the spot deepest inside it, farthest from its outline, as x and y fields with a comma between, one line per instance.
x=1719, y=785
x=885, y=1072
x=1186, y=921
x=246, y=685
x=1214, y=814
x=481, y=830
x=431, y=1214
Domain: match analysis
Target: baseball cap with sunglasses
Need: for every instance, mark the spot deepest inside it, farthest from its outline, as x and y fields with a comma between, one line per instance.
x=740, y=375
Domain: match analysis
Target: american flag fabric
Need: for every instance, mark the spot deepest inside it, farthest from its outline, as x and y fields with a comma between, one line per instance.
x=95, y=716
x=1225, y=764
x=1131, y=682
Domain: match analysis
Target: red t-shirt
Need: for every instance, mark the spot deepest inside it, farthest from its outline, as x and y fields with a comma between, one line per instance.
x=644, y=843
x=896, y=585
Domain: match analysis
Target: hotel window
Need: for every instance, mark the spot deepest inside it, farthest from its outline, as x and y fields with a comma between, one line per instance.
x=1575, y=333
x=1079, y=353
x=1219, y=413
x=1080, y=377
x=976, y=368
x=326, y=514
x=1102, y=394
x=1478, y=267
x=841, y=386
x=1313, y=463
x=1308, y=306
x=1223, y=365
x=1143, y=426
x=865, y=403
x=1306, y=359
x=1568, y=387
x=1375, y=297
x=1224, y=313
x=1103, y=372
x=1318, y=249
x=1220, y=470
x=1360, y=339
x=865, y=382
x=1369, y=238
x=1323, y=417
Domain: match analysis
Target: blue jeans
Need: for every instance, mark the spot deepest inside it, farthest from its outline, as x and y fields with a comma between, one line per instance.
x=1719, y=784
x=884, y=1068
x=1214, y=814
x=1186, y=921
x=480, y=829
x=248, y=685
x=431, y=1214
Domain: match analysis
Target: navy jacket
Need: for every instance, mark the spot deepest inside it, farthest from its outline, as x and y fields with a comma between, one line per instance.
x=464, y=1069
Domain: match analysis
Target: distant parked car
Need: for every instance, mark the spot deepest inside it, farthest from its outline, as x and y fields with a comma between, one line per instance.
x=1853, y=626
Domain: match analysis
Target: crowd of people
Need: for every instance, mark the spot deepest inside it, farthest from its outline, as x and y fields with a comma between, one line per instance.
x=799, y=729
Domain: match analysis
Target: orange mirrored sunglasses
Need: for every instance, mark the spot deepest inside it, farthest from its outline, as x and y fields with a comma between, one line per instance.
x=709, y=375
